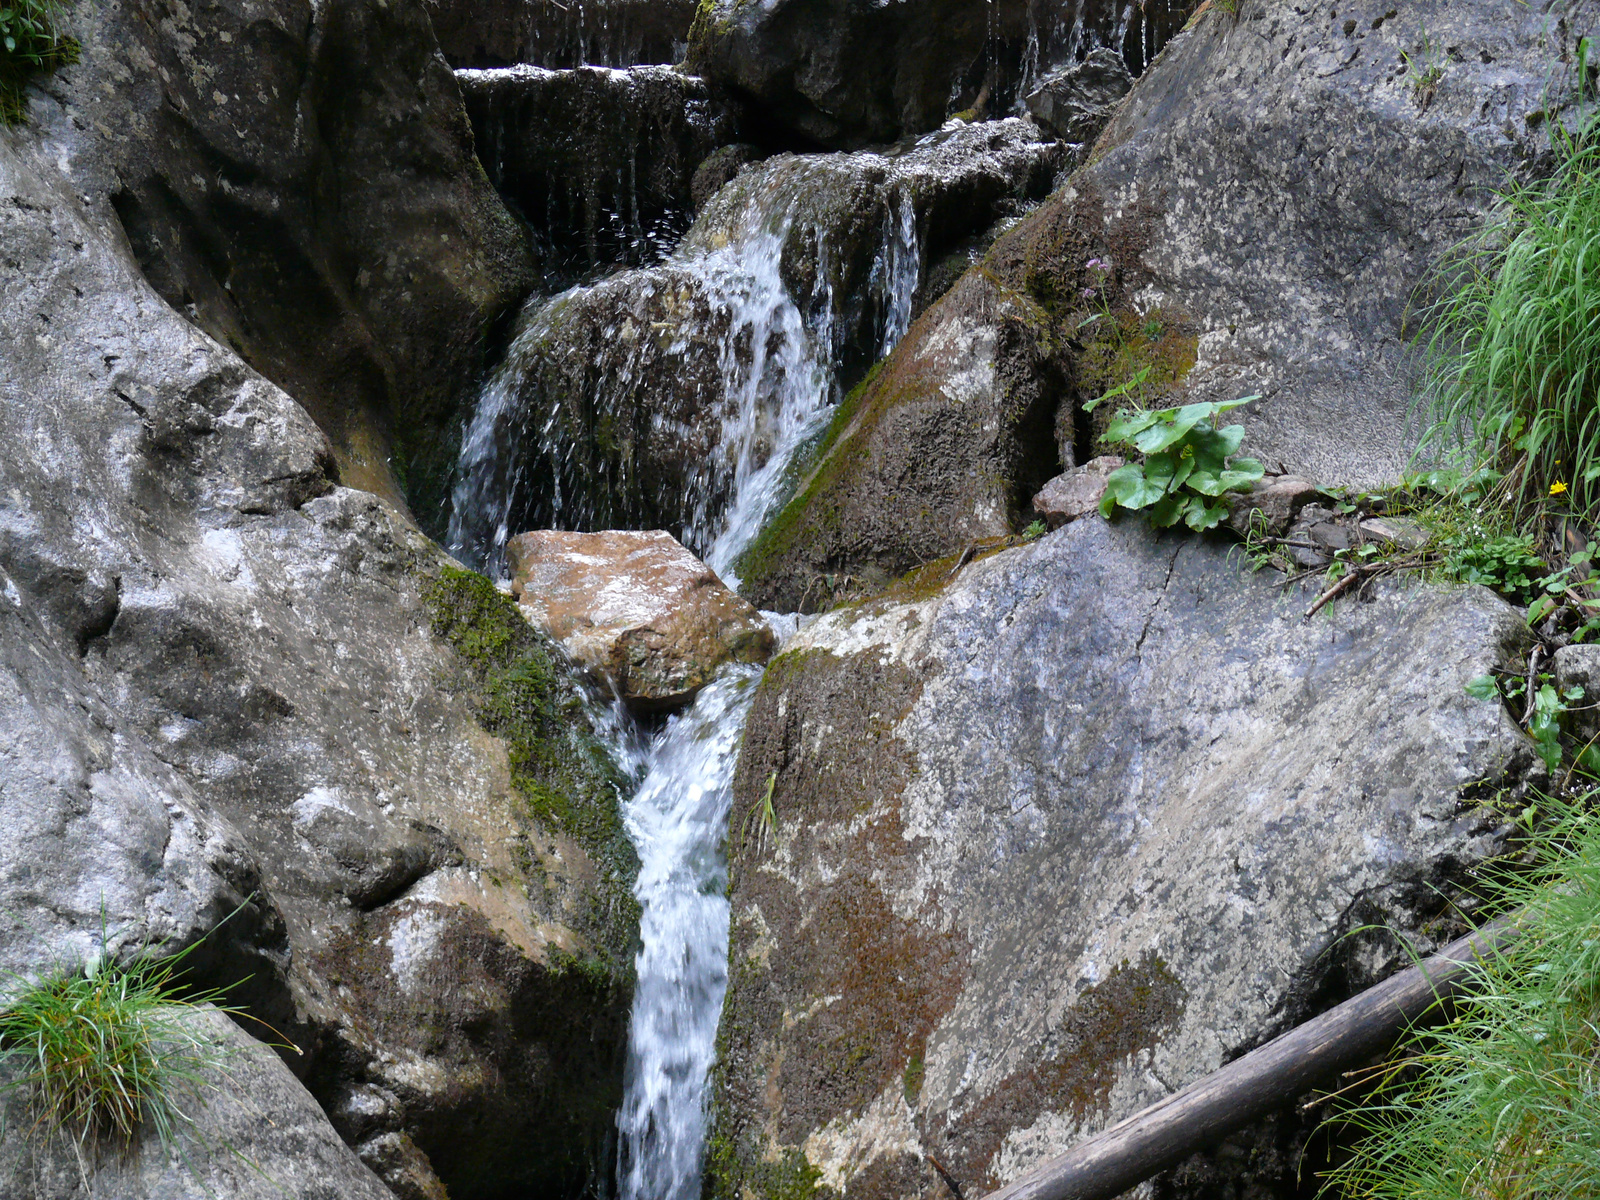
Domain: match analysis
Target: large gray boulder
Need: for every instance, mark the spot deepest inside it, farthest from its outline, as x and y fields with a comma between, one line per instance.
x=613, y=397
x=1063, y=835
x=299, y=180
x=227, y=676
x=598, y=162
x=1256, y=220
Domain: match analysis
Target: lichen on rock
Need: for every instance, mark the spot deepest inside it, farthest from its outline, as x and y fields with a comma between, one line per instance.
x=1099, y=810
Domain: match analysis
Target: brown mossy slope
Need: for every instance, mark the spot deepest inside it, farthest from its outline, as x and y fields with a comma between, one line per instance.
x=786, y=1065
x=946, y=440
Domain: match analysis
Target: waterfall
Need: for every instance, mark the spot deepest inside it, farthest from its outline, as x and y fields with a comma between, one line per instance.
x=677, y=820
x=776, y=359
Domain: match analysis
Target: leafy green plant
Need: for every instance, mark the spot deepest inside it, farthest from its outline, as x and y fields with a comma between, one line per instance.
x=1509, y=564
x=1188, y=465
x=30, y=41
x=1514, y=353
x=1500, y=1102
x=1544, y=710
x=105, y=1050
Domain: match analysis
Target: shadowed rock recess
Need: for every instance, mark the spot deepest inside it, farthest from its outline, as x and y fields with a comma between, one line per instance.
x=299, y=181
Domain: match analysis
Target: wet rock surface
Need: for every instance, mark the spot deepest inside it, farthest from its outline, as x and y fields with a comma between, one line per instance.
x=1256, y=221
x=230, y=676
x=619, y=393
x=847, y=73
x=943, y=444
x=556, y=34
x=1071, y=832
x=637, y=609
x=1076, y=102
x=598, y=162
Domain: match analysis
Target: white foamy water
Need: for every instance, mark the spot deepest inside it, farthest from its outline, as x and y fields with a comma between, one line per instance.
x=678, y=820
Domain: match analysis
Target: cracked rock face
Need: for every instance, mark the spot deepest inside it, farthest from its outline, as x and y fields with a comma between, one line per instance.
x=1071, y=833
x=223, y=675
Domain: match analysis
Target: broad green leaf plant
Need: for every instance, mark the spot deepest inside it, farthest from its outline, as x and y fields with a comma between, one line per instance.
x=1189, y=464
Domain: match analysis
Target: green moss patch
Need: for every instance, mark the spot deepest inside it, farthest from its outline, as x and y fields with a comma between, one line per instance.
x=526, y=697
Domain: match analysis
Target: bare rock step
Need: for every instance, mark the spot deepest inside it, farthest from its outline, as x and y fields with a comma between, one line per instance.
x=1272, y=504
x=1075, y=493
x=637, y=609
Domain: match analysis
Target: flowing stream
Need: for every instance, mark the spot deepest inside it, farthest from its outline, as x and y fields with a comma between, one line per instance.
x=776, y=398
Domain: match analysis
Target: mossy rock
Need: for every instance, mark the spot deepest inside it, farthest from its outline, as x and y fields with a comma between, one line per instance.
x=527, y=697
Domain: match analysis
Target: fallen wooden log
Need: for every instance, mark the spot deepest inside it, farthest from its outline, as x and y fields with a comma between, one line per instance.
x=1267, y=1078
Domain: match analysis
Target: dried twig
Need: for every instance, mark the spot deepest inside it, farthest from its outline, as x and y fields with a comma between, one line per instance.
x=1340, y=586
x=949, y=1179
x=966, y=557
x=1533, y=675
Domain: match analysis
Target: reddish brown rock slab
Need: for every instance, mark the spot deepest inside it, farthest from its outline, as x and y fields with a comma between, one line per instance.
x=1075, y=493
x=637, y=609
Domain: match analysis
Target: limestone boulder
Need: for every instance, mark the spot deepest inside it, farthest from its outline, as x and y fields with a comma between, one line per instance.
x=298, y=180
x=1208, y=248
x=226, y=676
x=1080, y=826
x=259, y=1135
x=549, y=33
x=598, y=162
x=636, y=609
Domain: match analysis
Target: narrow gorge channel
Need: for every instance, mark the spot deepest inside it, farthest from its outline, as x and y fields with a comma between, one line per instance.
x=559, y=556
x=776, y=381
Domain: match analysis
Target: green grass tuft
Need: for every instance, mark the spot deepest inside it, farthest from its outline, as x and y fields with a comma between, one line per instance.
x=1503, y=1101
x=105, y=1051
x=1514, y=353
x=30, y=41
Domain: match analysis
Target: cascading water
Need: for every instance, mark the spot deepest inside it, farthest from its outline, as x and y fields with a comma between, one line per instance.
x=777, y=378
x=775, y=362
x=677, y=820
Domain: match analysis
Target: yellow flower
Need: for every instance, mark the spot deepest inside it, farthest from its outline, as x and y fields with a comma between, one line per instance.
x=1557, y=488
